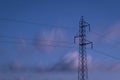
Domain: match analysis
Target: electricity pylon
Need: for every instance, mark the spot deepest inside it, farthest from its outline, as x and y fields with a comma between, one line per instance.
x=82, y=57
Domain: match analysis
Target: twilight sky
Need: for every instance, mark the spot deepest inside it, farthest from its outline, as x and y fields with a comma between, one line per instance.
x=36, y=39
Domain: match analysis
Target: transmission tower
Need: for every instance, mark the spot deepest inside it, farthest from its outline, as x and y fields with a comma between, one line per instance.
x=82, y=42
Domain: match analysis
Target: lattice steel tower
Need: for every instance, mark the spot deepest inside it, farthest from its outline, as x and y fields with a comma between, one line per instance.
x=82, y=42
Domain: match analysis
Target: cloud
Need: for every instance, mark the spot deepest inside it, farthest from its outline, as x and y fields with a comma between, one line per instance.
x=113, y=33
x=21, y=43
x=19, y=67
x=109, y=35
x=46, y=40
x=15, y=67
x=105, y=67
x=21, y=78
x=69, y=62
x=115, y=67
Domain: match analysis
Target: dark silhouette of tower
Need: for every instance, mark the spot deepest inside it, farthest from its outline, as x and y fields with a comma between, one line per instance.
x=82, y=57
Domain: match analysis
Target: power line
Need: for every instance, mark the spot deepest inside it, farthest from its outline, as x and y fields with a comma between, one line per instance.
x=108, y=40
x=34, y=23
x=103, y=36
x=29, y=22
x=26, y=39
x=39, y=44
x=63, y=46
x=37, y=39
x=106, y=54
x=65, y=42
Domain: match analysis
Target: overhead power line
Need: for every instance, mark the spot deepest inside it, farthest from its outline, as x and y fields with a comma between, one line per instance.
x=28, y=41
x=59, y=45
x=113, y=46
x=55, y=26
x=37, y=39
x=65, y=42
x=39, y=43
x=34, y=23
x=106, y=54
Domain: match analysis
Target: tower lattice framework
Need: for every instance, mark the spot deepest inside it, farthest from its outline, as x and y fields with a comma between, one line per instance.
x=82, y=42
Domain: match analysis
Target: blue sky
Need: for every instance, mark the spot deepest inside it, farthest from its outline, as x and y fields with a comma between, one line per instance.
x=36, y=39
